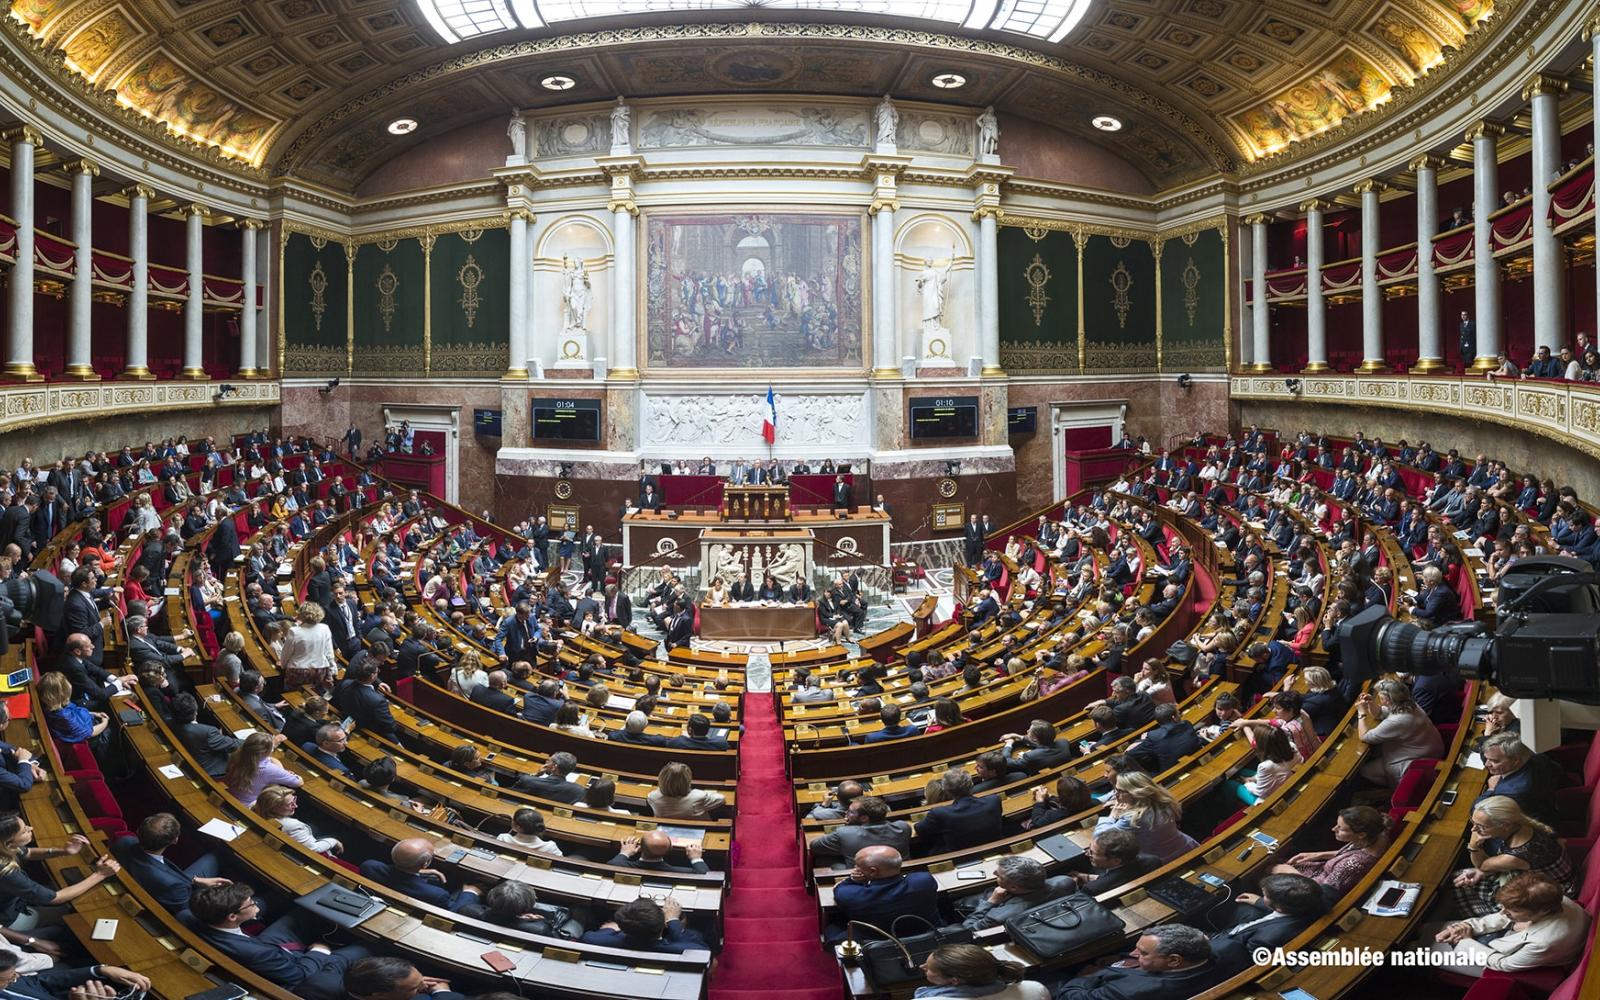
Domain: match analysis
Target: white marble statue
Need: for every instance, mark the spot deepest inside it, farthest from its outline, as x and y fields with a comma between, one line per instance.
x=988, y=134
x=788, y=564
x=888, y=120
x=727, y=563
x=517, y=131
x=575, y=294
x=621, y=131
x=931, y=284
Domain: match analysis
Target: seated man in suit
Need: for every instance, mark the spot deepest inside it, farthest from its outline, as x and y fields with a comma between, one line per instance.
x=877, y=892
x=1115, y=861
x=211, y=746
x=994, y=771
x=383, y=977
x=965, y=821
x=551, y=782
x=1106, y=729
x=866, y=824
x=493, y=694
x=645, y=925
x=1518, y=773
x=93, y=686
x=58, y=984
x=541, y=705
x=698, y=735
x=1044, y=749
x=893, y=728
x=649, y=853
x=1288, y=904
x=1168, y=962
x=316, y=972
x=358, y=697
x=144, y=857
x=330, y=743
x=633, y=732
x=1133, y=707
x=1020, y=885
x=409, y=870
x=1170, y=741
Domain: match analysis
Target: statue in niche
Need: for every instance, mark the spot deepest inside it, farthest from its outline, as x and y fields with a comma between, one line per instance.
x=888, y=124
x=621, y=132
x=931, y=284
x=517, y=131
x=575, y=294
x=988, y=134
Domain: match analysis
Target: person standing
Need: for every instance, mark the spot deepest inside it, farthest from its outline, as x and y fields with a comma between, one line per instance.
x=1469, y=340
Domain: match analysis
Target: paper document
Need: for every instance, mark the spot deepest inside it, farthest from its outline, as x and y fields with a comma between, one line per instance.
x=171, y=771
x=221, y=829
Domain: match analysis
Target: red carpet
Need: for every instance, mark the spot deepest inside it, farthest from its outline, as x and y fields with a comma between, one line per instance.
x=771, y=946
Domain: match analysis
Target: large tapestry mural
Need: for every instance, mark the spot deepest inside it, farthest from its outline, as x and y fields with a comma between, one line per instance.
x=758, y=290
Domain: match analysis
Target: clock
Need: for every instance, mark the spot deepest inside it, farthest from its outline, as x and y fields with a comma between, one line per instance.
x=563, y=490
x=947, y=488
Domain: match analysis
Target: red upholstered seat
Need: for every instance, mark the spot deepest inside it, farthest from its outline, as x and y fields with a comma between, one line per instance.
x=92, y=792
x=1413, y=787
x=77, y=757
x=1230, y=821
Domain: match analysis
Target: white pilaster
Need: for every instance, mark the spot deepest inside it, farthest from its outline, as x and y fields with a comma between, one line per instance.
x=1549, y=263
x=247, y=314
x=518, y=366
x=194, y=307
x=885, y=355
x=1316, y=304
x=1260, y=310
x=137, y=363
x=1372, y=359
x=19, y=309
x=1430, y=351
x=623, y=364
x=1484, y=137
x=80, y=346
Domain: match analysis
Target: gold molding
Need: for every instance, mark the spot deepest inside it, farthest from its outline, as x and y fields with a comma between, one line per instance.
x=1317, y=205
x=1370, y=186
x=133, y=191
x=82, y=165
x=1484, y=130
x=1544, y=84
x=250, y=225
x=1256, y=219
x=1428, y=161
x=22, y=133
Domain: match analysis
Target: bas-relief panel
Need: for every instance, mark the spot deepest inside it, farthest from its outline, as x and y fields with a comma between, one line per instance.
x=748, y=126
x=805, y=421
x=946, y=135
x=572, y=135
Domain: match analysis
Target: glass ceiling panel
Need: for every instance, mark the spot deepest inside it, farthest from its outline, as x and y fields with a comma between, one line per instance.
x=455, y=20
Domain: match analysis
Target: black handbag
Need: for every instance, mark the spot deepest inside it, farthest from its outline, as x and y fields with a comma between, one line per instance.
x=895, y=961
x=1076, y=925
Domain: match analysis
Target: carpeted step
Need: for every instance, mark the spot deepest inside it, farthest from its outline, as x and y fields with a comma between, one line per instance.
x=749, y=902
x=776, y=877
x=758, y=931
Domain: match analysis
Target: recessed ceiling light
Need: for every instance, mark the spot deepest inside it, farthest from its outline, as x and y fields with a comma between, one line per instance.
x=949, y=81
x=402, y=126
x=1106, y=123
x=558, y=82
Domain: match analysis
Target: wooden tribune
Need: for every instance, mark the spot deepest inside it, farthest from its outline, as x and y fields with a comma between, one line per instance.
x=756, y=503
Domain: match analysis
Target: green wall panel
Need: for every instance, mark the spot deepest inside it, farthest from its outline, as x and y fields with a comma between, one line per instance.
x=312, y=310
x=389, y=318
x=1038, y=301
x=470, y=277
x=1193, y=276
x=1119, y=306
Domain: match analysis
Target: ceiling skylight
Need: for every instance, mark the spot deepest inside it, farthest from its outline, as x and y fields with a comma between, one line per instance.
x=455, y=20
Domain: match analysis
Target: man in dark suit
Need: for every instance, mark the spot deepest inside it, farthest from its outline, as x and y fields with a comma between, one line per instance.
x=224, y=545
x=493, y=694
x=1168, y=962
x=1170, y=741
x=619, y=607
x=972, y=540
x=649, y=499
x=82, y=611
x=418, y=653
x=313, y=971
x=1438, y=603
x=877, y=891
x=343, y=619
x=1469, y=340
x=841, y=492
x=18, y=769
x=649, y=853
x=1518, y=773
x=588, y=611
x=358, y=698
x=1133, y=707
x=384, y=977
x=1115, y=861
x=16, y=524
x=93, y=686
x=551, y=781
x=1288, y=904
x=681, y=629
x=144, y=857
x=881, y=505
x=143, y=647
x=541, y=705
x=594, y=563
x=965, y=821
x=58, y=984
x=644, y=925
x=1041, y=748
x=210, y=746
x=330, y=743
x=985, y=610
x=49, y=517
x=698, y=736
x=994, y=771
x=410, y=870
x=517, y=632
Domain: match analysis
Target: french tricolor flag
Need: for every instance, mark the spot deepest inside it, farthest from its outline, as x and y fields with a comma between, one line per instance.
x=769, y=426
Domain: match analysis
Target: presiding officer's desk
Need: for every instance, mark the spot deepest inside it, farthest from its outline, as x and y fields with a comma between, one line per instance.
x=860, y=537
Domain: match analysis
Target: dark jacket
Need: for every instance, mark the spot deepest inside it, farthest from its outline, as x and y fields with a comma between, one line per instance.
x=418, y=887
x=676, y=939
x=367, y=706
x=211, y=746
x=1167, y=744
x=879, y=903
x=552, y=787
x=1134, y=711
x=1036, y=759
x=696, y=867
x=954, y=826
x=1136, y=984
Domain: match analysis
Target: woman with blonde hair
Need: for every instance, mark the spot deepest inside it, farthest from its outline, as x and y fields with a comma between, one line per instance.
x=467, y=676
x=23, y=905
x=278, y=803
x=675, y=796
x=227, y=666
x=70, y=722
x=1504, y=842
x=252, y=768
x=1151, y=812
x=1323, y=701
x=1402, y=734
x=307, y=656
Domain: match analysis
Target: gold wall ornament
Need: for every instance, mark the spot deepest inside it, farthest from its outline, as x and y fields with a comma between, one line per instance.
x=471, y=235
x=1120, y=242
x=1189, y=238
x=470, y=276
x=1035, y=233
x=1037, y=275
x=387, y=283
x=1121, y=285
x=319, y=294
x=1191, y=289
x=387, y=245
x=318, y=242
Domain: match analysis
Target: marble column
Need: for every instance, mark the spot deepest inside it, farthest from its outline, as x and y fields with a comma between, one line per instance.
x=1260, y=310
x=518, y=367
x=622, y=363
x=137, y=362
x=194, y=316
x=80, y=345
x=885, y=339
x=1549, y=262
x=1430, y=351
x=1484, y=137
x=19, y=306
x=1372, y=359
x=264, y=315
x=1316, y=304
x=1594, y=44
x=989, y=292
x=1246, y=326
x=247, y=314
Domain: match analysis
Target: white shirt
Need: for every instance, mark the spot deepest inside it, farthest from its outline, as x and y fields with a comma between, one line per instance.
x=532, y=842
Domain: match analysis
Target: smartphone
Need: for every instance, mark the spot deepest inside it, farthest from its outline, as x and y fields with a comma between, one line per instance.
x=617, y=966
x=491, y=755
x=1391, y=898
x=1296, y=994
x=497, y=961
x=1264, y=840
x=1449, y=797
x=1216, y=881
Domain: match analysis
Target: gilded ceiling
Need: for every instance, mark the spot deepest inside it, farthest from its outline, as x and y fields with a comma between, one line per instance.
x=305, y=87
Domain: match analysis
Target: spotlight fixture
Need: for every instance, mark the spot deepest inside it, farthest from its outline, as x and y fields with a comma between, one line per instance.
x=1293, y=385
x=402, y=126
x=558, y=81
x=952, y=467
x=1184, y=381
x=225, y=390
x=1106, y=123
x=333, y=383
x=949, y=81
